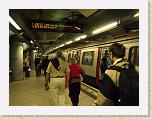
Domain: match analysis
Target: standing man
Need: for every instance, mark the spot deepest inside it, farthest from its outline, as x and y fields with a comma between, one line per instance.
x=116, y=53
x=45, y=63
x=58, y=71
x=37, y=64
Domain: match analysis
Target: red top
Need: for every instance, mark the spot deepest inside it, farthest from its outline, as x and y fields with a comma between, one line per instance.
x=75, y=70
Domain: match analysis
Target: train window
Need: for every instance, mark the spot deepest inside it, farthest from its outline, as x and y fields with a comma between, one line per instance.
x=87, y=58
x=134, y=55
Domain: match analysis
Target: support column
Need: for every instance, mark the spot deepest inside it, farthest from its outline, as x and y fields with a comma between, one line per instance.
x=16, y=59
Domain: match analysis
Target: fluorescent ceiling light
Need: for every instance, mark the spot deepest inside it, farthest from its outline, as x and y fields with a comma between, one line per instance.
x=77, y=27
x=105, y=28
x=61, y=45
x=69, y=42
x=14, y=23
x=57, y=47
x=136, y=15
x=31, y=41
x=81, y=37
x=35, y=50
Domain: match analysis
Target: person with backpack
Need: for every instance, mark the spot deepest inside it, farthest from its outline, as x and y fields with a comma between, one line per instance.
x=75, y=81
x=57, y=71
x=121, y=82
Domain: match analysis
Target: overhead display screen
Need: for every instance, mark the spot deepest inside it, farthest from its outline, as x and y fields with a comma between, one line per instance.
x=56, y=26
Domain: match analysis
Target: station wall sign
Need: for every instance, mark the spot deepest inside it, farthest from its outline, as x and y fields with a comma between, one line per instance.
x=55, y=26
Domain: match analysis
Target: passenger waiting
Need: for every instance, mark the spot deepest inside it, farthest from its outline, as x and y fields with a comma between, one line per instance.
x=37, y=66
x=74, y=81
x=27, y=67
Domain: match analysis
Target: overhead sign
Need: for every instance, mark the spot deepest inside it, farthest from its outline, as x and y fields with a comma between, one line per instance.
x=56, y=26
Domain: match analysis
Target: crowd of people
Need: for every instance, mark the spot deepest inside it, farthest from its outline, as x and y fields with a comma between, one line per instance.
x=59, y=75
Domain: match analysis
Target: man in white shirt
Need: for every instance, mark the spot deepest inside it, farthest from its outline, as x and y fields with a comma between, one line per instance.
x=58, y=71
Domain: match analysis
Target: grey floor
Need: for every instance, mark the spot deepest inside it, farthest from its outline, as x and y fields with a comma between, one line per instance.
x=31, y=92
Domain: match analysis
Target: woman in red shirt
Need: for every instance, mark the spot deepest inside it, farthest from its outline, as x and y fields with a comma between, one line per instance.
x=74, y=82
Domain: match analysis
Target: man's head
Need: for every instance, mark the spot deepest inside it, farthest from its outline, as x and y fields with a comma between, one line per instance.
x=59, y=54
x=117, y=51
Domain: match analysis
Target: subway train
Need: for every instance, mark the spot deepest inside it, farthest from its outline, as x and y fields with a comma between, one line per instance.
x=89, y=56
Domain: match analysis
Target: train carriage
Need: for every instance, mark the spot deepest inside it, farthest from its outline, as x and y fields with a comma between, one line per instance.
x=90, y=56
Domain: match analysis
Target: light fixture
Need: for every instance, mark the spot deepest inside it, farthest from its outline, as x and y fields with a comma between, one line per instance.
x=57, y=47
x=35, y=50
x=69, y=42
x=80, y=37
x=105, y=28
x=136, y=15
x=37, y=47
x=61, y=45
x=14, y=23
x=31, y=41
x=21, y=33
x=77, y=28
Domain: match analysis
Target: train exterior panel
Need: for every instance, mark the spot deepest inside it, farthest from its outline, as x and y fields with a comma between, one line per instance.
x=92, y=76
x=88, y=62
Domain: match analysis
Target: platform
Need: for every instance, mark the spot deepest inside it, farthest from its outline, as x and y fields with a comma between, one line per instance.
x=31, y=92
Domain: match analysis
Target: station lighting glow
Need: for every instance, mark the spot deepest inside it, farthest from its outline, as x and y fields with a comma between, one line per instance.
x=31, y=41
x=77, y=28
x=69, y=42
x=57, y=47
x=105, y=28
x=61, y=45
x=81, y=37
x=14, y=23
x=136, y=15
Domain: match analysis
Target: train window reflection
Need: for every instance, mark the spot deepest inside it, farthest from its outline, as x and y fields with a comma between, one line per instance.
x=87, y=58
x=134, y=55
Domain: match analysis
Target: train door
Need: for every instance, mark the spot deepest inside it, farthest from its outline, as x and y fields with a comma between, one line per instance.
x=133, y=57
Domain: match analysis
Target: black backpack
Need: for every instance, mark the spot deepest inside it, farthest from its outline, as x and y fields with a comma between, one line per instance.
x=55, y=63
x=127, y=94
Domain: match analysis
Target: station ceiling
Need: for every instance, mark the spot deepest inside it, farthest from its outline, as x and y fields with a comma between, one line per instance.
x=90, y=19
